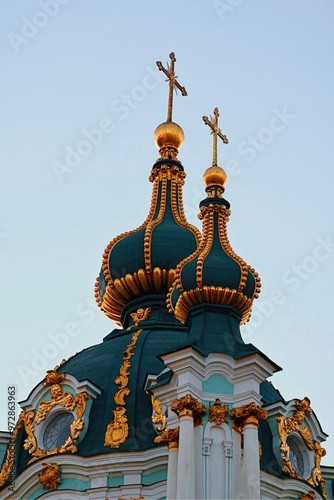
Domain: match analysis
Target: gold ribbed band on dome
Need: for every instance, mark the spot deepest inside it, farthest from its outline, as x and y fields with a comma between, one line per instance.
x=123, y=290
x=213, y=294
x=147, y=280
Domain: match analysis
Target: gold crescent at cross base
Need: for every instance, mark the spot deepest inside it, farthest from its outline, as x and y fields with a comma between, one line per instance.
x=173, y=83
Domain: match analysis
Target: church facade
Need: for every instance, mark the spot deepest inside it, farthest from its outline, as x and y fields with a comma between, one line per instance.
x=172, y=404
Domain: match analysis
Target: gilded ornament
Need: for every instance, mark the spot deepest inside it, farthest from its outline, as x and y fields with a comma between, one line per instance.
x=52, y=377
x=148, y=280
x=158, y=417
x=211, y=294
x=216, y=132
x=247, y=414
x=131, y=498
x=8, y=464
x=140, y=315
x=308, y=496
x=118, y=429
x=188, y=405
x=65, y=400
x=316, y=477
x=292, y=424
x=169, y=136
x=218, y=413
x=49, y=477
x=169, y=437
x=171, y=77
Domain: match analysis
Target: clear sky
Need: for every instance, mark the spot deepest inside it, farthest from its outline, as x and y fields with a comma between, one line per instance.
x=70, y=68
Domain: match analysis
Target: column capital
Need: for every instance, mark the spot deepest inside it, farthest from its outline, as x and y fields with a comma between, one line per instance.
x=249, y=414
x=190, y=406
x=169, y=437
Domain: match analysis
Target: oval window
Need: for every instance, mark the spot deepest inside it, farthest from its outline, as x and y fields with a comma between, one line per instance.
x=57, y=431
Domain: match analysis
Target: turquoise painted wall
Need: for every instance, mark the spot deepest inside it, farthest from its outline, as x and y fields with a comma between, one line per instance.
x=218, y=384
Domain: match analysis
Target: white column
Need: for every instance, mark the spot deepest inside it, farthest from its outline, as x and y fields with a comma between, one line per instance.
x=246, y=420
x=172, y=473
x=251, y=461
x=186, y=459
x=199, y=470
x=188, y=409
x=171, y=438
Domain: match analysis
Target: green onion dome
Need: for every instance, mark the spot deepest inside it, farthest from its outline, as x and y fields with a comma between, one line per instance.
x=143, y=261
x=214, y=274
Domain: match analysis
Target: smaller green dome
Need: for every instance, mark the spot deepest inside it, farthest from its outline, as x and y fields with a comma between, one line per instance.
x=214, y=273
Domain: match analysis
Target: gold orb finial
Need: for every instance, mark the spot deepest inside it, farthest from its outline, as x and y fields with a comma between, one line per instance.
x=214, y=178
x=168, y=138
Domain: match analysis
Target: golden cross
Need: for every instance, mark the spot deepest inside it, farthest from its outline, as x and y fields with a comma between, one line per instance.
x=172, y=83
x=213, y=124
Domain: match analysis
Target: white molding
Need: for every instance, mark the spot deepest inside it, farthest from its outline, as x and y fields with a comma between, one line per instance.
x=282, y=488
x=128, y=464
x=32, y=402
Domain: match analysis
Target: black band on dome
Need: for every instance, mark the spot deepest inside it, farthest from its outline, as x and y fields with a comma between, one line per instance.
x=219, y=201
x=169, y=163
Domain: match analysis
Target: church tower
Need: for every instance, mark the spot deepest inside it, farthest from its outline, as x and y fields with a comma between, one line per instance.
x=172, y=404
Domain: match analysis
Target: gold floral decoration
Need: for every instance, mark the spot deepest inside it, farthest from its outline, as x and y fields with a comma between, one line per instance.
x=158, y=417
x=218, y=413
x=188, y=405
x=169, y=437
x=118, y=429
x=247, y=414
x=53, y=377
x=294, y=424
x=49, y=477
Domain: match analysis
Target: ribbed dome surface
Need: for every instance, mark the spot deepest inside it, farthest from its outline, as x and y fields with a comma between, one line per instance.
x=143, y=261
x=214, y=273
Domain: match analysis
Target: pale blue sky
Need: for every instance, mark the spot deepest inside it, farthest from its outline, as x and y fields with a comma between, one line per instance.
x=70, y=66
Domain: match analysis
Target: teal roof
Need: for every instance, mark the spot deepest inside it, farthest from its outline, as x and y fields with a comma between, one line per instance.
x=100, y=364
x=216, y=328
